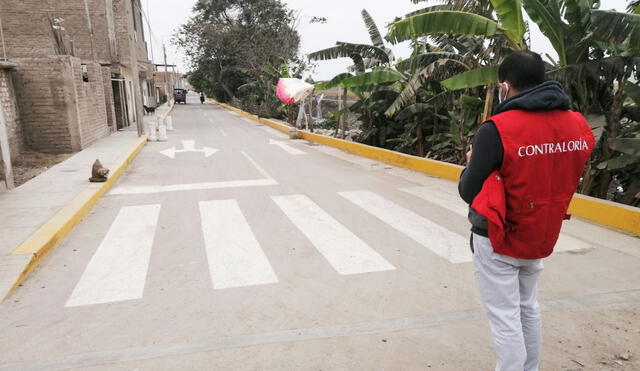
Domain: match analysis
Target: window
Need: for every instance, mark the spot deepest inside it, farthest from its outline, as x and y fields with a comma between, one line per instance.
x=85, y=73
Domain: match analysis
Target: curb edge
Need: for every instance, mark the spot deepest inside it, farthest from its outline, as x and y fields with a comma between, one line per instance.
x=602, y=212
x=45, y=238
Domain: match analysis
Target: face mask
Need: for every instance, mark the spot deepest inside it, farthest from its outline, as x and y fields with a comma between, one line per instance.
x=506, y=88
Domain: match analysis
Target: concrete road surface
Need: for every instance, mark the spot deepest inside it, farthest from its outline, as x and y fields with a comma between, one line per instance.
x=230, y=247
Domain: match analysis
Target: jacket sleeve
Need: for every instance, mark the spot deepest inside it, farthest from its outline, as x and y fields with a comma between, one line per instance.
x=486, y=157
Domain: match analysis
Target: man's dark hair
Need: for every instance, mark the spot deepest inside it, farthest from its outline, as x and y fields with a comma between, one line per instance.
x=523, y=69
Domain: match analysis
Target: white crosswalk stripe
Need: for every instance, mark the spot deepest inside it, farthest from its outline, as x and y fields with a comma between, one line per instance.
x=235, y=256
x=346, y=253
x=439, y=197
x=441, y=241
x=455, y=204
x=118, y=269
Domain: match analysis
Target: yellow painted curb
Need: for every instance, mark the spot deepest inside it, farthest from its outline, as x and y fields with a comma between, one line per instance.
x=424, y=165
x=46, y=237
x=611, y=214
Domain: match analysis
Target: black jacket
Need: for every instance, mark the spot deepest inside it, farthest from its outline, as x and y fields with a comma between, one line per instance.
x=487, y=147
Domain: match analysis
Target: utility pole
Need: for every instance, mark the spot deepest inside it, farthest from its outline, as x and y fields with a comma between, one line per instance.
x=133, y=55
x=150, y=35
x=166, y=72
x=153, y=57
x=174, y=79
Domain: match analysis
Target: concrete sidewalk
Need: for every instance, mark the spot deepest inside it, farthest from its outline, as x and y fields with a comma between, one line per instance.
x=25, y=210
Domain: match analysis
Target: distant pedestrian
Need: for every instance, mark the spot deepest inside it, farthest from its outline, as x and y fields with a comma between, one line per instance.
x=524, y=168
x=201, y=98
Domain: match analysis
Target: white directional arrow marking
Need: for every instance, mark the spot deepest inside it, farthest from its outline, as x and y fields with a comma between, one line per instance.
x=290, y=150
x=189, y=146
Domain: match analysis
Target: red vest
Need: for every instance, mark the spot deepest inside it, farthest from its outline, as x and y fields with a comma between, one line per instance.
x=526, y=200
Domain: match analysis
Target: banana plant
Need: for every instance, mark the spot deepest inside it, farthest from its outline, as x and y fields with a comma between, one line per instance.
x=364, y=56
x=598, y=51
x=452, y=55
x=509, y=26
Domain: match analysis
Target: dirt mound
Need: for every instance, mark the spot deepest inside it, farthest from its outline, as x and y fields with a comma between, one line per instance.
x=30, y=164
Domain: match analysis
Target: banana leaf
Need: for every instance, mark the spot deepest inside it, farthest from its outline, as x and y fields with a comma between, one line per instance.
x=415, y=109
x=335, y=81
x=470, y=79
x=372, y=78
x=633, y=91
x=510, y=13
x=442, y=22
x=546, y=14
x=629, y=146
x=422, y=60
x=614, y=27
x=374, y=33
x=619, y=162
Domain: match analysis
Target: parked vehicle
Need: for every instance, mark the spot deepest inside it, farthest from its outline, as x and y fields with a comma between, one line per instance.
x=180, y=95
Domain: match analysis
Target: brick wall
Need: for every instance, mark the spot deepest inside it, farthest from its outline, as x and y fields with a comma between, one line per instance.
x=43, y=99
x=92, y=113
x=122, y=11
x=60, y=113
x=9, y=106
x=28, y=33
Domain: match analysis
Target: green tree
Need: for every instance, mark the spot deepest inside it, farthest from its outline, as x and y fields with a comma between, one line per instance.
x=232, y=43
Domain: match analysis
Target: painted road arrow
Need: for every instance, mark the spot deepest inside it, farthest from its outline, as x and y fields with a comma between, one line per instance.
x=290, y=150
x=189, y=146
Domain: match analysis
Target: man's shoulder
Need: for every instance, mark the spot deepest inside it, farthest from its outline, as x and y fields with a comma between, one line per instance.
x=487, y=127
x=487, y=133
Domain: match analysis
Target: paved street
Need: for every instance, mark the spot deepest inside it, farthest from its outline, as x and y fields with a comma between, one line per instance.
x=231, y=247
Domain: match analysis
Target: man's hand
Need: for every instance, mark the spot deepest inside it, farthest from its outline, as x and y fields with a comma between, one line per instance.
x=469, y=153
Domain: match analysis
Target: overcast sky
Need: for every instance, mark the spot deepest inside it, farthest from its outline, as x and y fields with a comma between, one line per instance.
x=344, y=23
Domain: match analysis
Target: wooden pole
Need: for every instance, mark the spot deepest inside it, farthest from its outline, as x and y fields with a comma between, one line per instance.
x=488, y=103
x=343, y=117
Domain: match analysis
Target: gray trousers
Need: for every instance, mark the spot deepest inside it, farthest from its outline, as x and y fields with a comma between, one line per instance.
x=508, y=288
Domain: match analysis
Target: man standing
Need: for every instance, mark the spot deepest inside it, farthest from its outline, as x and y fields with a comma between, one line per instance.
x=526, y=164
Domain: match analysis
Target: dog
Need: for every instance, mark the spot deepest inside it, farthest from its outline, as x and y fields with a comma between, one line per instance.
x=98, y=173
x=149, y=110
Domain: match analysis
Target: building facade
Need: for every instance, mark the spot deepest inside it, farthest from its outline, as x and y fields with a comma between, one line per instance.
x=166, y=82
x=81, y=69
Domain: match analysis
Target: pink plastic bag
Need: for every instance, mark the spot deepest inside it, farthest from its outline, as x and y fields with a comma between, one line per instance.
x=291, y=91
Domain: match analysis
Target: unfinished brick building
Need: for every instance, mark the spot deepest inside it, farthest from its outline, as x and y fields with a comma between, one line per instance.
x=165, y=82
x=81, y=69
